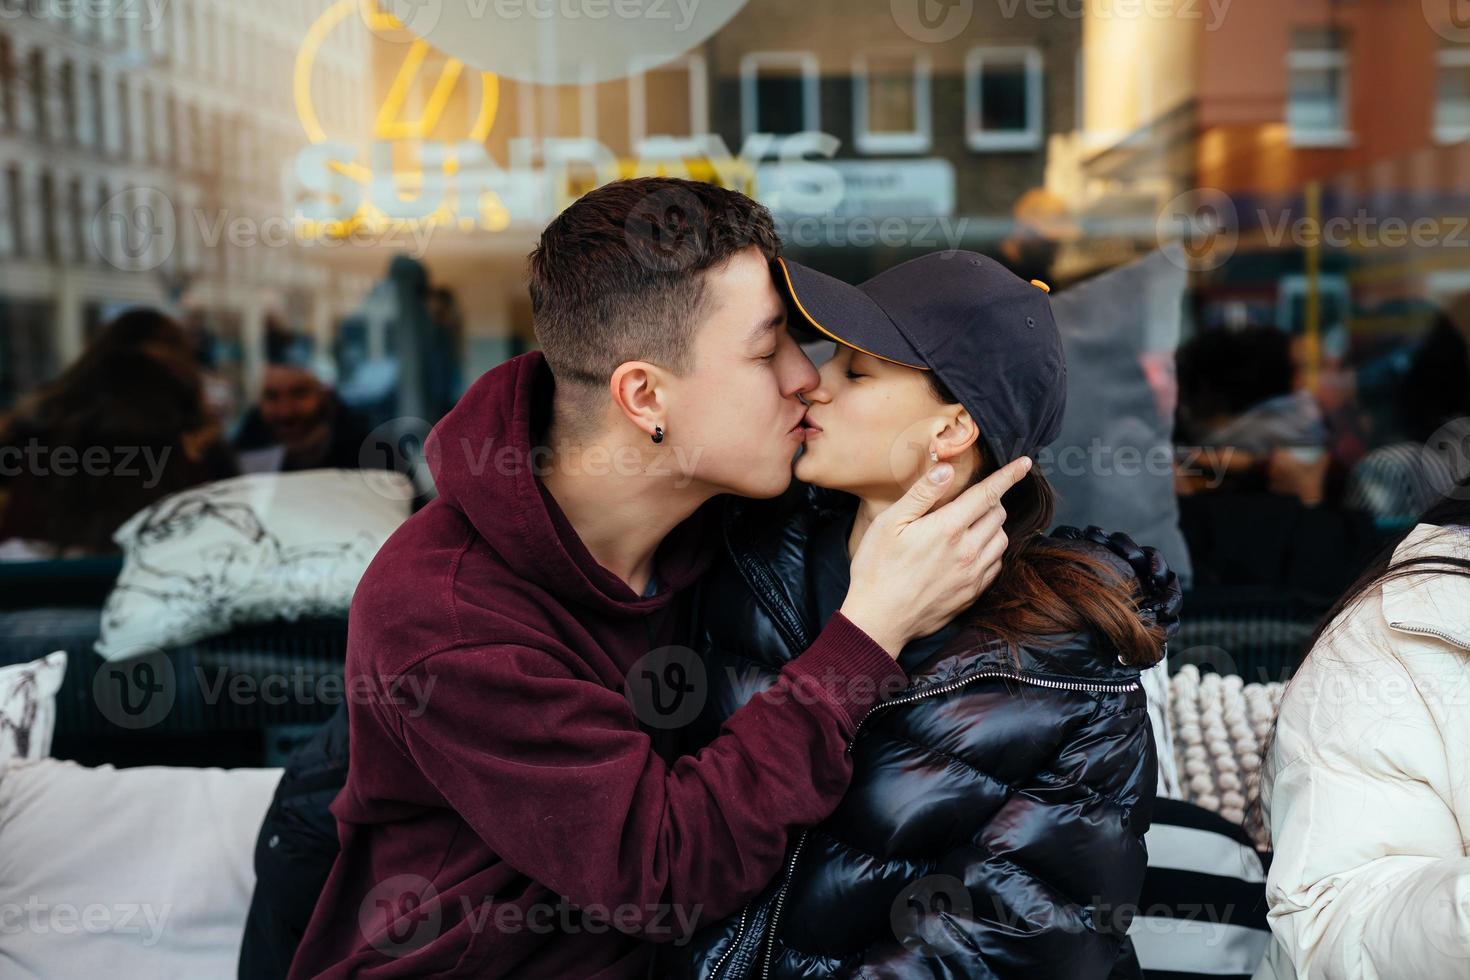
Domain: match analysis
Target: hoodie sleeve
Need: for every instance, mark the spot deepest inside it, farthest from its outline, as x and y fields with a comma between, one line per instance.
x=1369, y=880
x=555, y=775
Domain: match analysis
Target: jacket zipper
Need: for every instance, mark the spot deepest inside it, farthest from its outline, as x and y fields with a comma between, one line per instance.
x=780, y=901
x=1426, y=631
x=1098, y=687
x=1095, y=687
x=734, y=943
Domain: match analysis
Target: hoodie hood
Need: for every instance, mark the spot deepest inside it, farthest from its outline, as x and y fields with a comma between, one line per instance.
x=486, y=459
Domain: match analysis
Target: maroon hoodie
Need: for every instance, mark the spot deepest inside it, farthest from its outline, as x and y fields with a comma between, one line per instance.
x=504, y=813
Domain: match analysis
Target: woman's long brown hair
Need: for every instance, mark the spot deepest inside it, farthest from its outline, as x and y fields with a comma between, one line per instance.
x=1048, y=590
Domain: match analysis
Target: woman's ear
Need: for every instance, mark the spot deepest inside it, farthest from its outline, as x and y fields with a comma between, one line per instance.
x=957, y=436
x=638, y=393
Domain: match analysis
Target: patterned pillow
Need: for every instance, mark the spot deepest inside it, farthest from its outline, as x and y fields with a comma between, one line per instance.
x=28, y=707
x=246, y=550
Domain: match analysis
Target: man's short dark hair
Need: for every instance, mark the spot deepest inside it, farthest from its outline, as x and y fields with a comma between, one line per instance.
x=618, y=275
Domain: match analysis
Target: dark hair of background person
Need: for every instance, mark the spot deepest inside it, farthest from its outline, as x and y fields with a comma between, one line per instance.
x=616, y=276
x=135, y=406
x=1046, y=589
x=1436, y=388
x=1224, y=372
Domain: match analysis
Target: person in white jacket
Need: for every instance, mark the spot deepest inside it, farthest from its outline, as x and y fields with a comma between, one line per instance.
x=1366, y=784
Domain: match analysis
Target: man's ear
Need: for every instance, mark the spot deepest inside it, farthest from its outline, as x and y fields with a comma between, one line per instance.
x=957, y=436
x=639, y=392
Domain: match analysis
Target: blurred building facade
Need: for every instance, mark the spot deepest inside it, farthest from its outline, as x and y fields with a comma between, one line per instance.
x=141, y=148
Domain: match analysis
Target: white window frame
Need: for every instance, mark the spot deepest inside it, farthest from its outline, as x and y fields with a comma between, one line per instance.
x=639, y=139
x=1319, y=60
x=805, y=61
x=1449, y=58
x=917, y=140
x=1032, y=136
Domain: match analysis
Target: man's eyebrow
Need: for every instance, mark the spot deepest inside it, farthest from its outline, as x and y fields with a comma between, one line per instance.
x=765, y=327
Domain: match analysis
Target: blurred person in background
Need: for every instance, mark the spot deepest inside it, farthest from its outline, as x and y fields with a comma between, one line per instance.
x=121, y=428
x=442, y=366
x=1427, y=451
x=1238, y=392
x=1255, y=477
x=1364, y=784
x=299, y=422
x=1041, y=223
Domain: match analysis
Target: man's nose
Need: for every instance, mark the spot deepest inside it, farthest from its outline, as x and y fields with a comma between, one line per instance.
x=801, y=375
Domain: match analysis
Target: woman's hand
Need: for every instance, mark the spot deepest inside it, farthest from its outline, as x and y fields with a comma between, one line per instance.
x=915, y=571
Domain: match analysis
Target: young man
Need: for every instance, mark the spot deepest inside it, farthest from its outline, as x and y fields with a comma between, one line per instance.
x=506, y=812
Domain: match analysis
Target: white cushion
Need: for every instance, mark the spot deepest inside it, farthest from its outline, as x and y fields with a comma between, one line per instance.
x=126, y=872
x=28, y=708
x=248, y=549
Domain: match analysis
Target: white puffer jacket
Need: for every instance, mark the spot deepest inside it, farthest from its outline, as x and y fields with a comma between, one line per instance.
x=1367, y=790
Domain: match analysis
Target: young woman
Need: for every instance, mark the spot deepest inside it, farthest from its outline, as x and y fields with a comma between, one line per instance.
x=1366, y=785
x=993, y=824
x=135, y=396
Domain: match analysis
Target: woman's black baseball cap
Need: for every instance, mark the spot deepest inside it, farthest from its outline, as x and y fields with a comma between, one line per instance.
x=988, y=334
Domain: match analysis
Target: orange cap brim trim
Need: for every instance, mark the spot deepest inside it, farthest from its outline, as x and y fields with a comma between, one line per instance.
x=791, y=291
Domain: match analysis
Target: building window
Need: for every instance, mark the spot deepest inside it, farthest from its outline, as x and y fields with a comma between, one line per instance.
x=1317, y=88
x=77, y=220
x=668, y=107
x=50, y=244
x=8, y=82
x=778, y=93
x=68, y=85
x=124, y=119
x=1003, y=99
x=891, y=102
x=1452, y=96
x=99, y=110
x=16, y=207
x=40, y=118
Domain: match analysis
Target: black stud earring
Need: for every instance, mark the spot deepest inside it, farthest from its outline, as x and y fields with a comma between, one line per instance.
x=658, y=434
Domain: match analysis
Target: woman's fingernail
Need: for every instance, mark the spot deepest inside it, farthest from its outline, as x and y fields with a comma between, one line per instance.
x=941, y=473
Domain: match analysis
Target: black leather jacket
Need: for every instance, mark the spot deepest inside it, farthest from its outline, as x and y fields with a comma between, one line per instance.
x=994, y=824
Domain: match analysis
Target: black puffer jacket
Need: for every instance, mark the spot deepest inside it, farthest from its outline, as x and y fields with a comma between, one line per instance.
x=994, y=825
